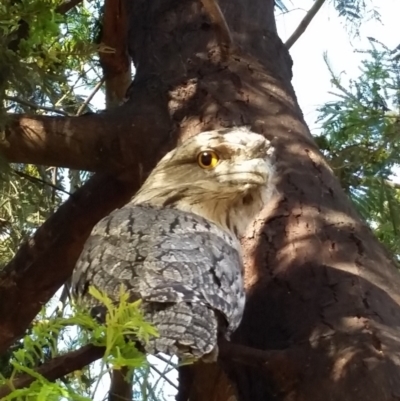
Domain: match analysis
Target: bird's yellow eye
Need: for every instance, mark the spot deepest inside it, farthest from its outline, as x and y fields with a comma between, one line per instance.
x=207, y=159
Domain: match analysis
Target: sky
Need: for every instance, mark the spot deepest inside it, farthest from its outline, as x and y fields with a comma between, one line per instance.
x=311, y=78
x=327, y=33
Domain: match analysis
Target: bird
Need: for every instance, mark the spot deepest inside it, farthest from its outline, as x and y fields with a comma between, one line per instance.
x=176, y=244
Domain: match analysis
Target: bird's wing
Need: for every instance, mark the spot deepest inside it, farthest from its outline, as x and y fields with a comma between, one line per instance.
x=166, y=256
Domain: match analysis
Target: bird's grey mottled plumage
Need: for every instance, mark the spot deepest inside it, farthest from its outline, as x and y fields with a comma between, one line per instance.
x=175, y=245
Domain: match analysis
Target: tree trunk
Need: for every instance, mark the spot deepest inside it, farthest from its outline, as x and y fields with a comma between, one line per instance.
x=319, y=284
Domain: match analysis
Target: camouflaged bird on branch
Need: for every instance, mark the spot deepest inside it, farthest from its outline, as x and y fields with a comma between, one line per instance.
x=176, y=244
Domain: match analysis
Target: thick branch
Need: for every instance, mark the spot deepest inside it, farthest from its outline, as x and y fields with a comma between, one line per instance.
x=57, y=367
x=76, y=360
x=96, y=142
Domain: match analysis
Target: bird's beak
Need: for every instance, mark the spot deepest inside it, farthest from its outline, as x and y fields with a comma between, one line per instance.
x=249, y=172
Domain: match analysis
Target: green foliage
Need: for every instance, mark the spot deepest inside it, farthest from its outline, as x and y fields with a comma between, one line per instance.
x=44, y=59
x=355, y=11
x=25, y=203
x=41, y=53
x=122, y=321
x=361, y=139
x=124, y=324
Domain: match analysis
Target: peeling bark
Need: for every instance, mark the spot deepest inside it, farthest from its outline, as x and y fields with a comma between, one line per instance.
x=117, y=64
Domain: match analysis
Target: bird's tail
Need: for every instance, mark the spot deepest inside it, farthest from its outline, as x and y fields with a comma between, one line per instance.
x=188, y=330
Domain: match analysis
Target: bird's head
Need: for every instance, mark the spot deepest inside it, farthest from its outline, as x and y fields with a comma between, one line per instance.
x=225, y=176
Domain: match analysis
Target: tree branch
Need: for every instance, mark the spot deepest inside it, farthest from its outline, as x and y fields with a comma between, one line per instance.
x=120, y=388
x=68, y=5
x=34, y=105
x=106, y=141
x=117, y=65
x=165, y=377
x=57, y=367
x=44, y=262
x=117, y=77
x=36, y=180
x=76, y=360
x=90, y=97
x=304, y=23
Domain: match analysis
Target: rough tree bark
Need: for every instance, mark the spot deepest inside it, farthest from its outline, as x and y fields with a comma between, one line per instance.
x=319, y=284
x=117, y=64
